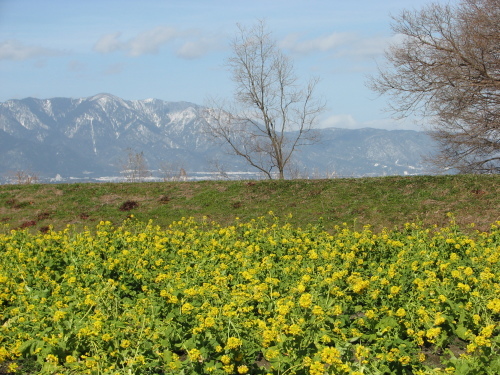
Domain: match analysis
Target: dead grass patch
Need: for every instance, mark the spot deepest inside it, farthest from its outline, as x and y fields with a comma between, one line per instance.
x=27, y=224
x=128, y=205
x=164, y=199
x=109, y=198
x=43, y=216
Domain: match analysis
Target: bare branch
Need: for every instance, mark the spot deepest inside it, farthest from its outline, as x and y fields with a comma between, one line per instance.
x=447, y=69
x=135, y=167
x=22, y=177
x=271, y=115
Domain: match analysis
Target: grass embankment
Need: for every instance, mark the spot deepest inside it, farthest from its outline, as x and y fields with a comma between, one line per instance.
x=381, y=202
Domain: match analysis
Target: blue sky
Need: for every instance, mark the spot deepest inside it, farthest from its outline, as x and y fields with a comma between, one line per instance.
x=175, y=50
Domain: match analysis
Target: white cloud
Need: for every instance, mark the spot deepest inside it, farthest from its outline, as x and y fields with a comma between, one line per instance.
x=345, y=44
x=76, y=66
x=322, y=44
x=150, y=41
x=345, y=121
x=109, y=43
x=193, y=49
x=16, y=50
x=147, y=42
x=114, y=69
x=366, y=47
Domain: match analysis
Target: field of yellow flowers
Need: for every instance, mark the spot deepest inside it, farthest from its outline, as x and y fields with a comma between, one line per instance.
x=255, y=297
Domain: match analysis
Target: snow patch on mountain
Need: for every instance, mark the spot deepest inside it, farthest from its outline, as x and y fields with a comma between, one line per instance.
x=64, y=135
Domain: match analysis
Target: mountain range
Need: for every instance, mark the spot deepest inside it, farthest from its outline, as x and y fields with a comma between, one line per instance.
x=88, y=138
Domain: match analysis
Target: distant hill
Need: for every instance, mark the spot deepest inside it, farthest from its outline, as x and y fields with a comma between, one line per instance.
x=87, y=138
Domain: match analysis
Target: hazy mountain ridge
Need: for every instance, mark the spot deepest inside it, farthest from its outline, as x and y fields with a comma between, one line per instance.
x=89, y=136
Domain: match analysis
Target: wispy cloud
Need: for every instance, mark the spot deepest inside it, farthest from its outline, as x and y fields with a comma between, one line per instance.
x=345, y=44
x=76, y=66
x=199, y=47
x=18, y=51
x=365, y=47
x=147, y=42
x=345, y=121
x=109, y=43
x=114, y=69
x=323, y=43
x=192, y=43
x=150, y=41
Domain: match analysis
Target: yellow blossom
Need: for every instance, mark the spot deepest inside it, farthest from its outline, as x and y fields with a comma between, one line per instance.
x=317, y=310
x=233, y=343
x=125, y=343
x=305, y=300
x=494, y=305
x=401, y=312
x=242, y=369
x=330, y=355
x=194, y=355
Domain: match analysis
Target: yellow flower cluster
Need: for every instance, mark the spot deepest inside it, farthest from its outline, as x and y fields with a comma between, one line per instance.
x=254, y=297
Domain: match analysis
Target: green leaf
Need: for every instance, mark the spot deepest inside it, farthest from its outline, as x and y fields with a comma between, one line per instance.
x=461, y=332
x=28, y=347
x=387, y=321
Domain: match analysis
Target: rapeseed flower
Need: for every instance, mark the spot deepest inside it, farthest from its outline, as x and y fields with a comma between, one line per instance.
x=242, y=369
x=141, y=289
x=233, y=343
x=330, y=355
x=305, y=300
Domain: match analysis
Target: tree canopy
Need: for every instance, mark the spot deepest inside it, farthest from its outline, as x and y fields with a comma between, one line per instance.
x=446, y=68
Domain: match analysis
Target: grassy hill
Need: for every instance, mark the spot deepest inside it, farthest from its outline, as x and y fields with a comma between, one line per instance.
x=380, y=202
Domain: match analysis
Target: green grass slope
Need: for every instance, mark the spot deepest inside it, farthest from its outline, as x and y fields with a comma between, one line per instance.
x=379, y=202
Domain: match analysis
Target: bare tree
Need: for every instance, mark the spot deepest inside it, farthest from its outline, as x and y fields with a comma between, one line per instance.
x=135, y=167
x=172, y=171
x=22, y=177
x=271, y=115
x=447, y=69
x=219, y=169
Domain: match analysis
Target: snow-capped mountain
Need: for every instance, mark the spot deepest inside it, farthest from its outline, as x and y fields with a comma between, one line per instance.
x=90, y=136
